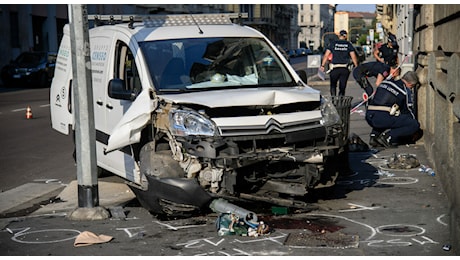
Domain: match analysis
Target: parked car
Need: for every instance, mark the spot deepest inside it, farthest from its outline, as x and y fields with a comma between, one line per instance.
x=35, y=69
x=360, y=54
x=292, y=53
x=303, y=51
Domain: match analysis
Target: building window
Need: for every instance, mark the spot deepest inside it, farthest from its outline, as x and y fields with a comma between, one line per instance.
x=248, y=9
x=301, y=18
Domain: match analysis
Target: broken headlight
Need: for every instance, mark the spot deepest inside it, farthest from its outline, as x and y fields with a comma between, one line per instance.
x=329, y=112
x=188, y=122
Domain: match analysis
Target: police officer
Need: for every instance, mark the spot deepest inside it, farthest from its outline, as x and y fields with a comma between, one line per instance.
x=390, y=112
x=342, y=50
x=375, y=69
x=388, y=53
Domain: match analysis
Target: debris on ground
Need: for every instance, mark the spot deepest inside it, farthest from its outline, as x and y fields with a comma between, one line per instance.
x=234, y=220
x=427, y=170
x=87, y=238
x=382, y=172
x=403, y=161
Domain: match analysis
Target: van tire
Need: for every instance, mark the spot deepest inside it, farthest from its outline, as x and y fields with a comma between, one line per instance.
x=164, y=180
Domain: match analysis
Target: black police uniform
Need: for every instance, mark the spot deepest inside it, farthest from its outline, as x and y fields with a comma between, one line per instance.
x=340, y=50
x=378, y=115
x=388, y=54
x=370, y=69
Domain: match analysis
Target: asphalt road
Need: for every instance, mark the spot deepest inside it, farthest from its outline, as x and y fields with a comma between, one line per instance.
x=377, y=211
x=30, y=149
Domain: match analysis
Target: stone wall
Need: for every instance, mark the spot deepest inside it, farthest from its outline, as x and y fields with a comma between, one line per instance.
x=437, y=47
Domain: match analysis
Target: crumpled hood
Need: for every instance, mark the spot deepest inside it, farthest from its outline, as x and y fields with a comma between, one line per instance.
x=128, y=129
x=245, y=97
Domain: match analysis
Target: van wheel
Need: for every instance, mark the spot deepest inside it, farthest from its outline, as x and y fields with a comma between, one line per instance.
x=166, y=192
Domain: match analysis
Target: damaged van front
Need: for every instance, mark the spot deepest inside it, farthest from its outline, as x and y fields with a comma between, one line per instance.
x=218, y=113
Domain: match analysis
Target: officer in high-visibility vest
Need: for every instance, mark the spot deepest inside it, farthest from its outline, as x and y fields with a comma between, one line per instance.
x=390, y=113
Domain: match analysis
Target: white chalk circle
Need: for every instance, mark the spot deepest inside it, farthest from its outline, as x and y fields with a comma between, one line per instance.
x=397, y=180
x=46, y=236
x=400, y=230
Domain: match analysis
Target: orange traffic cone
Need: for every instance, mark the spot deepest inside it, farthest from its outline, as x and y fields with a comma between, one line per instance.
x=29, y=113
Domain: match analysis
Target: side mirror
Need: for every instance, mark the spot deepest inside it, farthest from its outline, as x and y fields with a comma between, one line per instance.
x=116, y=90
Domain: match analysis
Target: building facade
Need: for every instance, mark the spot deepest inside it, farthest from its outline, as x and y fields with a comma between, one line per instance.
x=39, y=27
x=314, y=20
x=428, y=32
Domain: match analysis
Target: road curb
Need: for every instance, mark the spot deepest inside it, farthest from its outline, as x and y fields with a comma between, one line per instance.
x=26, y=196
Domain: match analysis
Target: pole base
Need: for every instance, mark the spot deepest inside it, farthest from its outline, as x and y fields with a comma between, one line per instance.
x=97, y=213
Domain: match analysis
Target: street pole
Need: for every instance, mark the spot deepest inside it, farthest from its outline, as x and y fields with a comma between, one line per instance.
x=85, y=139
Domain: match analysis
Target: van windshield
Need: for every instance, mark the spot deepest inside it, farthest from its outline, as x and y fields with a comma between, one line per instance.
x=209, y=63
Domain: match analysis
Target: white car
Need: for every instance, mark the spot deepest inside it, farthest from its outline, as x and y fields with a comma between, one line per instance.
x=188, y=108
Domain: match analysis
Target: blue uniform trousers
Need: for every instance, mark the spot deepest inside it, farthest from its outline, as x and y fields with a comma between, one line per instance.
x=339, y=75
x=400, y=126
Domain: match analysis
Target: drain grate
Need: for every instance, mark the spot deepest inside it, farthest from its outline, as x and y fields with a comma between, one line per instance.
x=323, y=240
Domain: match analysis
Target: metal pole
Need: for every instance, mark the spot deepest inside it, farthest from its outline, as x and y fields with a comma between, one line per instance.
x=85, y=139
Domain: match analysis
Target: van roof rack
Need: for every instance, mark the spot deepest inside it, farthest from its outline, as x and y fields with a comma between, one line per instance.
x=168, y=19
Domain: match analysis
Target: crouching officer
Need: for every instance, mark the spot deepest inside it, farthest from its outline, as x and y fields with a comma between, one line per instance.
x=390, y=112
x=375, y=69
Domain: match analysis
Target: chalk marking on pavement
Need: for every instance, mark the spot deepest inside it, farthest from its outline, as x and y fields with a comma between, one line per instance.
x=410, y=180
x=403, y=227
x=195, y=243
x=373, y=230
x=179, y=227
x=129, y=232
x=439, y=219
x=358, y=208
x=261, y=239
x=27, y=235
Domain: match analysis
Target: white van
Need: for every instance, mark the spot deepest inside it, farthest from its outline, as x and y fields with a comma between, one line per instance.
x=188, y=108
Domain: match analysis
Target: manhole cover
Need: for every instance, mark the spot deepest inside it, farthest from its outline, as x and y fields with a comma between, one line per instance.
x=323, y=240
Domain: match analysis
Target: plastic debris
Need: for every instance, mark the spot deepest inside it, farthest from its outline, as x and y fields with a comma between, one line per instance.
x=223, y=206
x=426, y=169
x=234, y=220
x=381, y=172
x=446, y=247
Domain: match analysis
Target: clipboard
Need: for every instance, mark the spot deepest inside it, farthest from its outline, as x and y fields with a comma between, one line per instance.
x=321, y=74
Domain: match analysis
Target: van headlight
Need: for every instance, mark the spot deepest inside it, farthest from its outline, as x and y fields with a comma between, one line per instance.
x=329, y=112
x=189, y=123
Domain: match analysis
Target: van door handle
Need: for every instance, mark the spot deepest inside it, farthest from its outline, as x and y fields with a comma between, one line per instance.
x=109, y=106
x=99, y=102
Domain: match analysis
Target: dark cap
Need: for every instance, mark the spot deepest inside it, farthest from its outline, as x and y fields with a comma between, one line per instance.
x=392, y=38
x=411, y=77
x=343, y=32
